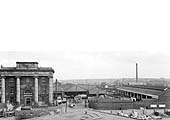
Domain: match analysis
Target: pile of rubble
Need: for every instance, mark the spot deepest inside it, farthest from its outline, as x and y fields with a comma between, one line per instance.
x=25, y=114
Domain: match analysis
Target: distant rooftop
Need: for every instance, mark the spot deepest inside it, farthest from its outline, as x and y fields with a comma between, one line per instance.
x=149, y=92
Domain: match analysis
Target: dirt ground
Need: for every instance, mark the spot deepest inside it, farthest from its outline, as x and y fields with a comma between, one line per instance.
x=77, y=114
x=79, y=111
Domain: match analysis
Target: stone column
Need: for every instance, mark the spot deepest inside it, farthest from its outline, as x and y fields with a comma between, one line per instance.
x=18, y=90
x=3, y=90
x=140, y=97
x=51, y=90
x=36, y=89
x=146, y=97
x=128, y=94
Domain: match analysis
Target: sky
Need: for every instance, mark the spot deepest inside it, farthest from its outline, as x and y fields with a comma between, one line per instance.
x=92, y=65
x=87, y=39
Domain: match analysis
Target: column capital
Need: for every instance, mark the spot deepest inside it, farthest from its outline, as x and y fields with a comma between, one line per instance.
x=50, y=76
x=17, y=76
x=36, y=76
x=2, y=76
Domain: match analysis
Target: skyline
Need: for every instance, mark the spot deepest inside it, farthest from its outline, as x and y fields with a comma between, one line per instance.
x=95, y=65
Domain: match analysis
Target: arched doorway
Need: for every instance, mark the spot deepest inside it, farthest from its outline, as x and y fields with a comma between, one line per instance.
x=28, y=97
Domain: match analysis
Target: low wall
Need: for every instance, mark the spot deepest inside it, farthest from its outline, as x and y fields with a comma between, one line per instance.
x=123, y=105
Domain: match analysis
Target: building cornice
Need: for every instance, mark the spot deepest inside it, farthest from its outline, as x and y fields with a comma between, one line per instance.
x=13, y=69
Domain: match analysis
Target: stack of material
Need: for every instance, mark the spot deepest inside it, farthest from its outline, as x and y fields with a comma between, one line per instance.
x=122, y=114
x=25, y=114
x=134, y=114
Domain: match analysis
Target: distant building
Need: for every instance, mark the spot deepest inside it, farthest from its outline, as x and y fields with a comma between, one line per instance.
x=73, y=90
x=27, y=84
x=137, y=83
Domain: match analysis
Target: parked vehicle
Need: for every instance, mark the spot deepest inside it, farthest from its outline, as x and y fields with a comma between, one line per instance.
x=59, y=100
x=64, y=100
x=71, y=105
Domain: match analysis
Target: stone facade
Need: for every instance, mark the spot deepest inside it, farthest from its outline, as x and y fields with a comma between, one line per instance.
x=27, y=84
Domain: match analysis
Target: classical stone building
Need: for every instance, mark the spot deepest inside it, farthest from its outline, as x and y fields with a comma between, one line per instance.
x=27, y=84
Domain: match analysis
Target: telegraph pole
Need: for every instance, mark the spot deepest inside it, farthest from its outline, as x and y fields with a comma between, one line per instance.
x=56, y=87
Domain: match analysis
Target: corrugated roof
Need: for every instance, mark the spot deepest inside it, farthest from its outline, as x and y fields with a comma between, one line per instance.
x=165, y=92
x=141, y=91
x=58, y=89
x=74, y=88
x=86, y=86
x=148, y=86
x=67, y=85
x=93, y=89
x=96, y=90
x=83, y=87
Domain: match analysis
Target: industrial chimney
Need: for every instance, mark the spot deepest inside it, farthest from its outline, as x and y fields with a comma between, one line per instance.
x=136, y=72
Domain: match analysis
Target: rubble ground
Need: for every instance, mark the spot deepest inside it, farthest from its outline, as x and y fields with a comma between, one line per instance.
x=79, y=111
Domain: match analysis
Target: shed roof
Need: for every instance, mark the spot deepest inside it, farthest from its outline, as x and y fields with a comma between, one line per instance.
x=74, y=88
x=96, y=90
x=58, y=89
x=166, y=92
x=149, y=92
x=87, y=86
x=93, y=89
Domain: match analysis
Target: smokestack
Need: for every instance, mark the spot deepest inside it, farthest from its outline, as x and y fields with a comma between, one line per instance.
x=136, y=72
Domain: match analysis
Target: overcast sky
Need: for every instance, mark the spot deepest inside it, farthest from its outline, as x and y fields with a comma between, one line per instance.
x=88, y=39
x=83, y=65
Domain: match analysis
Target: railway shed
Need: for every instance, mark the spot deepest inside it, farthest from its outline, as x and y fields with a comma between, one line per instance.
x=139, y=93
